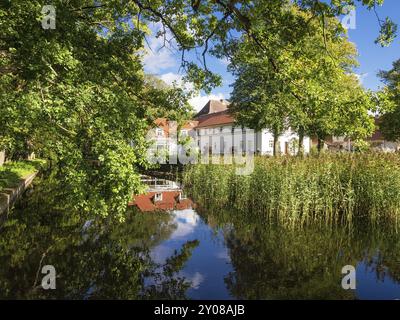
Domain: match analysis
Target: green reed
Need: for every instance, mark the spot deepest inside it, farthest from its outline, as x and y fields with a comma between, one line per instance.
x=328, y=188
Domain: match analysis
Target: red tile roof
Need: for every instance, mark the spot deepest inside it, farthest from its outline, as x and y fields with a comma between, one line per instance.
x=164, y=123
x=215, y=119
x=190, y=124
x=170, y=201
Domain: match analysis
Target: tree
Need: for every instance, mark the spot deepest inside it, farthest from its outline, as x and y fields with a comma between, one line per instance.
x=317, y=96
x=258, y=102
x=78, y=94
x=390, y=120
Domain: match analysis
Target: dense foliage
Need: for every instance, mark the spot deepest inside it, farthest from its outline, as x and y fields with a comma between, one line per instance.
x=78, y=94
x=390, y=121
x=314, y=92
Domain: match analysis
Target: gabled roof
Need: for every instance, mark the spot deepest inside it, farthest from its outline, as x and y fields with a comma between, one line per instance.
x=214, y=113
x=164, y=123
x=215, y=119
x=212, y=106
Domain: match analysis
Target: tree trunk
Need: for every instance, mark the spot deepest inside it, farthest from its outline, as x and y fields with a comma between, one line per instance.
x=276, y=138
x=319, y=145
x=301, y=142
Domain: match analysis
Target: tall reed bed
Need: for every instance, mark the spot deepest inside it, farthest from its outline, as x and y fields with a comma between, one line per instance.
x=328, y=188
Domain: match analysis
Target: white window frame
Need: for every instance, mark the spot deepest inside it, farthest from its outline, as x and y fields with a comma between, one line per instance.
x=159, y=132
x=271, y=144
x=182, y=196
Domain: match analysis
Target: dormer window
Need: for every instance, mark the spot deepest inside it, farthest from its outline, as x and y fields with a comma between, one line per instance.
x=160, y=132
x=157, y=197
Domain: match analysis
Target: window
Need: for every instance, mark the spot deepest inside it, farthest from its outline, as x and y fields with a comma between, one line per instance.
x=161, y=147
x=160, y=132
x=271, y=144
x=158, y=197
x=182, y=196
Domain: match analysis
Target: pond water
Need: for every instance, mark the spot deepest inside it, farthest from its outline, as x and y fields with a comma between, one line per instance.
x=188, y=251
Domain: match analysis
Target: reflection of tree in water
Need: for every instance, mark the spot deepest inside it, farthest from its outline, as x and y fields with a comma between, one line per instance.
x=103, y=259
x=272, y=262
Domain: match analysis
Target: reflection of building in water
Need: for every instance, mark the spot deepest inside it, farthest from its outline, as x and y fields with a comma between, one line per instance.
x=162, y=200
x=157, y=184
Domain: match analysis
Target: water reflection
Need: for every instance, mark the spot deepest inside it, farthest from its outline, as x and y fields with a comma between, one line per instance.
x=199, y=252
x=208, y=264
x=93, y=260
x=271, y=262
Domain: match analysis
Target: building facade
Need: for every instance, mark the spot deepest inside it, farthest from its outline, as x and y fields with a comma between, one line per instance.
x=214, y=131
x=217, y=133
x=376, y=141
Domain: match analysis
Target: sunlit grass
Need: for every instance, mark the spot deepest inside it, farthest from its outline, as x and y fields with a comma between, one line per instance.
x=11, y=173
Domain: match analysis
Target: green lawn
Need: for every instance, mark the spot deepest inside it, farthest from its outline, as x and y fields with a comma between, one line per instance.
x=12, y=172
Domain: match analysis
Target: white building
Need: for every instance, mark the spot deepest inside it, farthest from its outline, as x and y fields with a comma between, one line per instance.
x=217, y=132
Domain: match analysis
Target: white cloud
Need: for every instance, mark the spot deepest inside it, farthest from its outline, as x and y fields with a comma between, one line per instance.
x=197, y=102
x=195, y=280
x=186, y=221
x=171, y=78
x=200, y=101
x=158, y=57
x=361, y=77
x=225, y=61
x=223, y=255
x=160, y=253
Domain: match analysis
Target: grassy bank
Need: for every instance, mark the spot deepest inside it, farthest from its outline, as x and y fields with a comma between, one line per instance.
x=12, y=172
x=294, y=191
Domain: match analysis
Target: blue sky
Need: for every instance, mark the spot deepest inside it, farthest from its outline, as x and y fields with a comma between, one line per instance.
x=165, y=62
x=373, y=57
